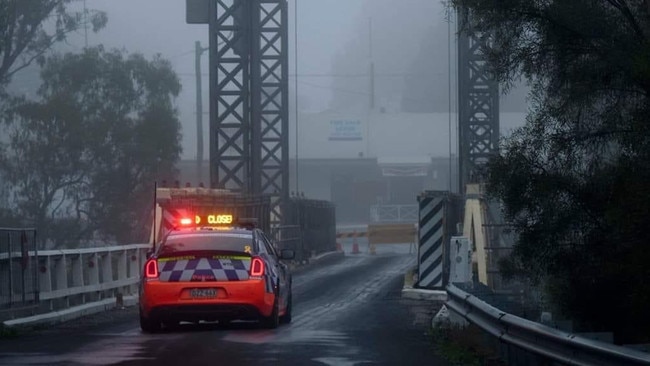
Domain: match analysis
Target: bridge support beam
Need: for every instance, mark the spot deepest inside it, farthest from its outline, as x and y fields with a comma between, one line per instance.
x=478, y=102
x=249, y=137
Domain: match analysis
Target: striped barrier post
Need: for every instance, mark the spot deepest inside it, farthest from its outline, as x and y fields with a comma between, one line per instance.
x=431, y=235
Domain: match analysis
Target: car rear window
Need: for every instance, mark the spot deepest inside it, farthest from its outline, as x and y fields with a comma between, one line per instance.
x=229, y=242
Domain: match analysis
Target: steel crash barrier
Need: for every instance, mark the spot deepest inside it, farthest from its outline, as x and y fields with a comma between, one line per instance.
x=539, y=341
x=59, y=279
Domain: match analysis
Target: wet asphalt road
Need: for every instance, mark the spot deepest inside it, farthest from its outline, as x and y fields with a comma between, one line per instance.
x=346, y=312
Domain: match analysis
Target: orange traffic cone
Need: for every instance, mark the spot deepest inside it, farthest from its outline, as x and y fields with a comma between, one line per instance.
x=339, y=247
x=355, y=244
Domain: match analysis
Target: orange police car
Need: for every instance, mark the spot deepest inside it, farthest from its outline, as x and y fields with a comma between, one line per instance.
x=219, y=272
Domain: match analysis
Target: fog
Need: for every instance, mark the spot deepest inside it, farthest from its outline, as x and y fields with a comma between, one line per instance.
x=158, y=26
x=408, y=42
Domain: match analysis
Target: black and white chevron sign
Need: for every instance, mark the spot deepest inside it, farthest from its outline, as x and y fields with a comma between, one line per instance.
x=431, y=235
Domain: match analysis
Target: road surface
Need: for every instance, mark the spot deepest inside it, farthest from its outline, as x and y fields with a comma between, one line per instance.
x=347, y=311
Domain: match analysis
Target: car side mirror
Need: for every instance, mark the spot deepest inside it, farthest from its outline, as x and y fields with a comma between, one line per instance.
x=287, y=254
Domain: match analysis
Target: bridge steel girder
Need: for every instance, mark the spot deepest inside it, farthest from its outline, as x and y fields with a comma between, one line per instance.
x=230, y=122
x=478, y=102
x=270, y=102
x=249, y=137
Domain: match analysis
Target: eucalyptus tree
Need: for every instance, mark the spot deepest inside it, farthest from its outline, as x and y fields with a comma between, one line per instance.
x=103, y=130
x=28, y=29
x=573, y=180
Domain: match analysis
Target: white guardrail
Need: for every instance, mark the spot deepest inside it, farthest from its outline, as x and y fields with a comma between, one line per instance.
x=537, y=339
x=69, y=277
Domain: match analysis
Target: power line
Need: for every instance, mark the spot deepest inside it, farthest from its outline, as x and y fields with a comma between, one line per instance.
x=360, y=75
x=183, y=54
x=357, y=92
x=342, y=90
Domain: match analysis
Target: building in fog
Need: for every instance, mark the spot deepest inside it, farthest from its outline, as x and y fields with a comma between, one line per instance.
x=368, y=163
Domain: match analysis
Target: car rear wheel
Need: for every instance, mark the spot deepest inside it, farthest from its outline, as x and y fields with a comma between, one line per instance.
x=171, y=324
x=149, y=325
x=272, y=321
x=286, y=318
x=225, y=323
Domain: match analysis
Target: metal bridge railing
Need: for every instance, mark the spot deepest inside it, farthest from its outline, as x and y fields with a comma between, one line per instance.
x=288, y=237
x=69, y=277
x=18, y=271
x=538, y=342
x=394, y=213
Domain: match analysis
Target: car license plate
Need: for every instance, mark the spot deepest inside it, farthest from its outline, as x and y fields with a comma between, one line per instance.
x=203, y=293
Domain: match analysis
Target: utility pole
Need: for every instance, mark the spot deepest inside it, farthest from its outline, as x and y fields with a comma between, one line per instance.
x=372, y=66
x=199, y=111
x=371, y=85
x=85, y=24
x=295, y=55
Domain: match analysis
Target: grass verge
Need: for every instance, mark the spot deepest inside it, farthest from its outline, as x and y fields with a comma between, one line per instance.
x=465, y=346
x=409, y=278
x=8, y=332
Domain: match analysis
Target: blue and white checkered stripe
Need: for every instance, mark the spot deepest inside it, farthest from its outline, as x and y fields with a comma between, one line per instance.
x=222, y=269
x=431, y=234
x=270, y=275
x=268, y=282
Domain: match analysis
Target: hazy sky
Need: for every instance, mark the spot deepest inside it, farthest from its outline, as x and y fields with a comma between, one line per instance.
x=327, y=30
x=158, y=26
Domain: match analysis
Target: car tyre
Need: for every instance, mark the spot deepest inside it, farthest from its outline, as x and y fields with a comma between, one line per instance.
x=286, y=318
x=272, y=321
x=149, y=325
x=225, y=322
x=171, y=324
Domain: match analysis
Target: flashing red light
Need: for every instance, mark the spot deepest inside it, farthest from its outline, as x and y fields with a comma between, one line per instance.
x=257, y=267
x=151, y=269
x=186, y=221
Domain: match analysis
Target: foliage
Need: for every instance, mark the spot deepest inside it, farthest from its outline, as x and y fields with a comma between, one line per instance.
x=7, y=332
x=90, y=149
x=465, y=346
x=573, y=179
x=29, y=28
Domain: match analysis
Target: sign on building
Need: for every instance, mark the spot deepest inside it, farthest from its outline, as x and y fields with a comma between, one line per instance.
x=345, y=130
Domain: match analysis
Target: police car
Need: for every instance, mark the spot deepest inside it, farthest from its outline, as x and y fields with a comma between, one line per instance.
x=215, y=272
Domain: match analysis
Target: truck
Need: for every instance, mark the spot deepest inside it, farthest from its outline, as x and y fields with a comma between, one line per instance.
x=173, y=204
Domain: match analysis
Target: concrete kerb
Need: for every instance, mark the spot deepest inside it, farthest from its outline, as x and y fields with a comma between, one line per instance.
x=442, y=317
x=71, y=313
x=321, y=258
x=410, y=292
x=325, y=256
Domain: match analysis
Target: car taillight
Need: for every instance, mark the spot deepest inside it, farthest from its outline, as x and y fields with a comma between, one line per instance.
x=151, y=269
x=257, y=267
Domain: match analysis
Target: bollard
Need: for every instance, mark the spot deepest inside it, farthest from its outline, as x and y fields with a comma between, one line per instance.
x=119, y=300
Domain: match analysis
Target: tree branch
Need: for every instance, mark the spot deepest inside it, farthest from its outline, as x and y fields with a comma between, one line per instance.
x=623, y=7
